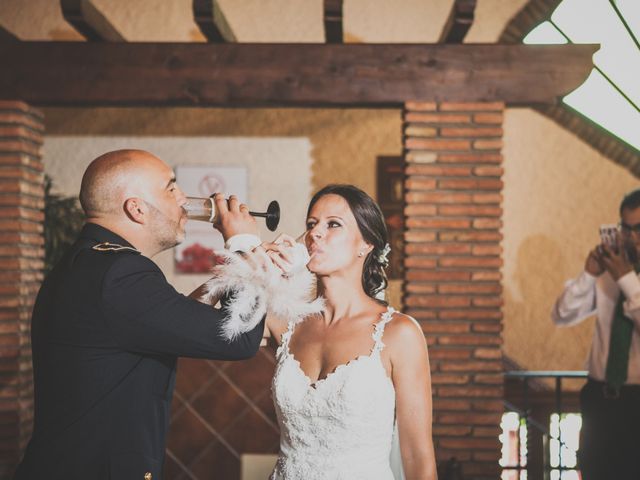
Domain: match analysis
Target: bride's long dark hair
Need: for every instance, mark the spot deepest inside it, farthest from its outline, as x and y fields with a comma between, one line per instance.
x=371, y=224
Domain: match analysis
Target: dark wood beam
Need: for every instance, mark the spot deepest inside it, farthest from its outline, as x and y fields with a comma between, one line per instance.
x=245, y=75
x=6, y=36
x=459, y=21
x=212, y=22
x=89, y=21
x=333, y=21
x=530, y=16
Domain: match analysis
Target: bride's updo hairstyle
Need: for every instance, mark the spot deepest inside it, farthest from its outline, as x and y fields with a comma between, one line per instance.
x=373, y=229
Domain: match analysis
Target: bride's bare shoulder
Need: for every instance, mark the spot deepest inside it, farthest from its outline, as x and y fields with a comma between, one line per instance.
x=403, y=331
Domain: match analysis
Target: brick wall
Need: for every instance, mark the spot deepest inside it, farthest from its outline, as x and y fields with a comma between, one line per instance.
x=21, y=263
x=453, y=258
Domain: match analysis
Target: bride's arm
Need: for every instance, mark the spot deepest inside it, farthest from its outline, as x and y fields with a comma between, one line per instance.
x=412, y=381
x=274, y=327
x=281, y=253
x=268, y=264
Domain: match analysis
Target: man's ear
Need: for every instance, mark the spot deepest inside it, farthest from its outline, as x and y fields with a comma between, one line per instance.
x=136, y=209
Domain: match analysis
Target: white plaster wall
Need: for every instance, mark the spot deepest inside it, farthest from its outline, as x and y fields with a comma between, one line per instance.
x=275, y=20
x=397, y=21
x=278, y=169
x=490, y=18
x=152, y=20
x=36, y=20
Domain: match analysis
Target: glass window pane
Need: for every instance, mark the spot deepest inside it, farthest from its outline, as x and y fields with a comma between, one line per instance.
x=509, y=438
x=585, y=21
x=565, y=475
x=596, y=99
x=564, y=432
x=630, y=9
x=596, y=21
x=514, y=434
x=544, y=34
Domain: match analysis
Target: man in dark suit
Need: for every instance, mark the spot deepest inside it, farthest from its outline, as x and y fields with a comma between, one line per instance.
x=107, y=328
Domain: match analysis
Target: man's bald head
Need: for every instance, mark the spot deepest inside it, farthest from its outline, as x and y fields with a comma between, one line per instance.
x=111, y=178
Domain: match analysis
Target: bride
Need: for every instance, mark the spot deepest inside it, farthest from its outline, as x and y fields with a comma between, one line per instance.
x=347, y=376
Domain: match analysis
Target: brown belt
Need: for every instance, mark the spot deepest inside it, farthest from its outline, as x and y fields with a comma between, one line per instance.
x=613, y=393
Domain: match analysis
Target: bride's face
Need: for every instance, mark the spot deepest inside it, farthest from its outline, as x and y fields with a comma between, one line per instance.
x=333, y=238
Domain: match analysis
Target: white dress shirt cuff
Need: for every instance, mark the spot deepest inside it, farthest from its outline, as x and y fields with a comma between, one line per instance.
x=584, y=283
x=243, y=242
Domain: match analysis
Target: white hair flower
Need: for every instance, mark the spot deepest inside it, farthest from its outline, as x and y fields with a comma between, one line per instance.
x=382, y=256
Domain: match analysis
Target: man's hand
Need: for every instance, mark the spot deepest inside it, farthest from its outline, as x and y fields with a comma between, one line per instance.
x=233, y=218
x=593, y=264
x=615, y=261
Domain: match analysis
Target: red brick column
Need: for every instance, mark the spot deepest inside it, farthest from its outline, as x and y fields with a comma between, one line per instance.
x=21, y=263
x=453, y=259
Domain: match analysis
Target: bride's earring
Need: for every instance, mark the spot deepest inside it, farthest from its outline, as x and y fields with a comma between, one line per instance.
x=360, y=254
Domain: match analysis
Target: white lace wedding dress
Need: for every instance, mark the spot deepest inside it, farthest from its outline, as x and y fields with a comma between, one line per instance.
x=340, y=427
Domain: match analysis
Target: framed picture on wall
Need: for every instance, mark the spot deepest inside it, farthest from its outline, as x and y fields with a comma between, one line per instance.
x=390, y=193
x=195, y=254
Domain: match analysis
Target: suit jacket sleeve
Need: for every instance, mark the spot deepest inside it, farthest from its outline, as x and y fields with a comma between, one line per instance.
x=146, y=314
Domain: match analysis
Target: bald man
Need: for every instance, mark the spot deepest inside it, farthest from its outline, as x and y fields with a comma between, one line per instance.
x=107, y=328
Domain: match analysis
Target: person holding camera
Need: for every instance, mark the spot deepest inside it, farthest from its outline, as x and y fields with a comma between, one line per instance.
x=609, y=288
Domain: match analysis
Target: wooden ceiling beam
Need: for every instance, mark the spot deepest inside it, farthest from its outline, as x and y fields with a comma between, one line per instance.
x=89, y=22
x=258, y=75
x=212, y=22
x=459, y=21
x=333, y=30
x=6, y=36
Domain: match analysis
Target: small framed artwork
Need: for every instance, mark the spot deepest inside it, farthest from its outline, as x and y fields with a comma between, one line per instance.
x=390, y=192
x=195, y=254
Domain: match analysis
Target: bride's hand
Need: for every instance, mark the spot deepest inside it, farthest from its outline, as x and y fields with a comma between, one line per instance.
x=282, y=254
x=281, y=241
x=260, y=259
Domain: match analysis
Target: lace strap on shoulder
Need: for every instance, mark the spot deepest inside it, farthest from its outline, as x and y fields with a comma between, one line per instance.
x=379, y=329
x=284, y=339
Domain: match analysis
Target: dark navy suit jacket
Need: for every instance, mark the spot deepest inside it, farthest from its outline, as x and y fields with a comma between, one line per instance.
x=107, y=329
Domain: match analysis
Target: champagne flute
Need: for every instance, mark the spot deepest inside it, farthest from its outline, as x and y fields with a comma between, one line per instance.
x=293, y=256
x=204, y=209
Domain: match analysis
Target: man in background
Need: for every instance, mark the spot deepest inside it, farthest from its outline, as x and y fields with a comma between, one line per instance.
x=609, y=288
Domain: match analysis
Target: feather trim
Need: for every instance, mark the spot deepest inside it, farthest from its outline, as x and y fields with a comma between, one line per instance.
x=253, y=292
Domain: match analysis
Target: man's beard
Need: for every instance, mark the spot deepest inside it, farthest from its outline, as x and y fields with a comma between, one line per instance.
x=167, y=232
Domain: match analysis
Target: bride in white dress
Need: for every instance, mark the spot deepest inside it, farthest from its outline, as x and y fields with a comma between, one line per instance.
x=347, y=376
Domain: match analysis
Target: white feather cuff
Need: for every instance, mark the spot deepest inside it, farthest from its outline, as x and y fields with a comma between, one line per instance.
x=253, y=292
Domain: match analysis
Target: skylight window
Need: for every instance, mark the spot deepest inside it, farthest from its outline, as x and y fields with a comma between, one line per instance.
x=611, y=94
